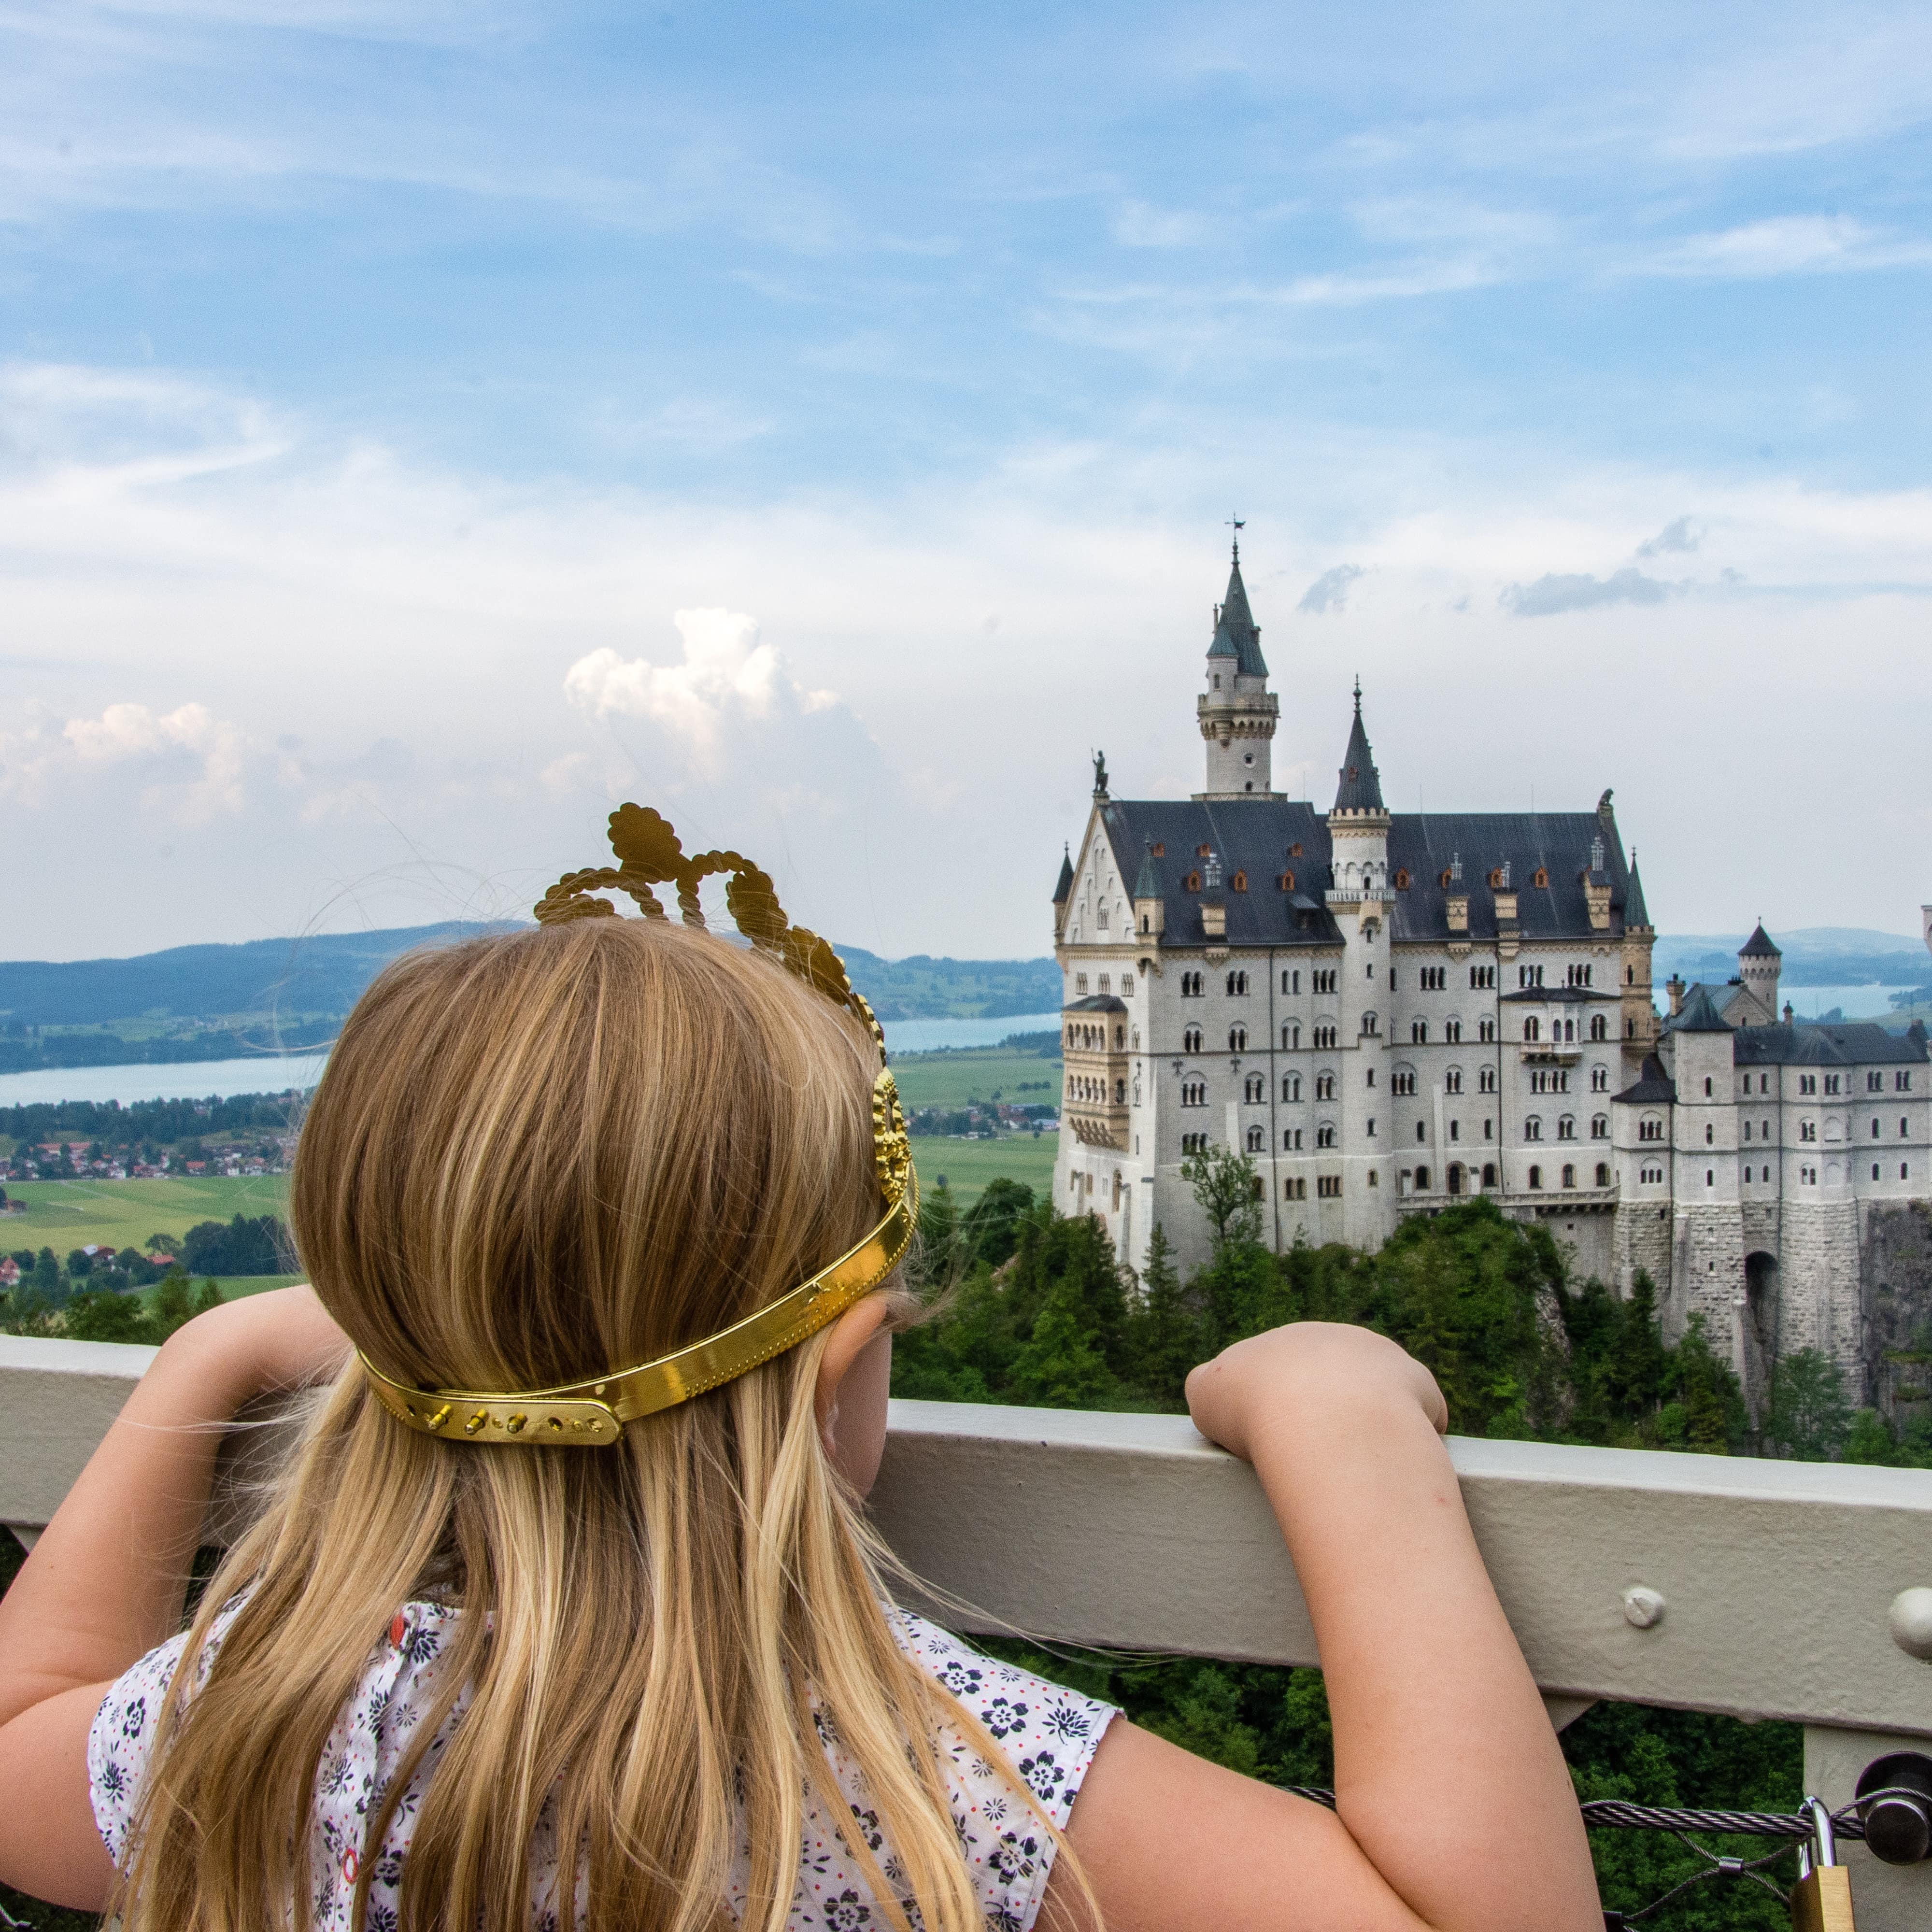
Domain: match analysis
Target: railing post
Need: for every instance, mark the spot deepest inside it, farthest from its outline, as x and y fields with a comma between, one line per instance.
x=1886, y=1898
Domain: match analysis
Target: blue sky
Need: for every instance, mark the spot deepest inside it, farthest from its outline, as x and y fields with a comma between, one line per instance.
x=420, y=424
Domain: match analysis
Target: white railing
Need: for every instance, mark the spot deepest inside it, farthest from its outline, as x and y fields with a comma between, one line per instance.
x=1777, y=1579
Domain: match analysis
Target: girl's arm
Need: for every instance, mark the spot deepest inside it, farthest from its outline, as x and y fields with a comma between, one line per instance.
x=1454, y=1809
x=106, y=1581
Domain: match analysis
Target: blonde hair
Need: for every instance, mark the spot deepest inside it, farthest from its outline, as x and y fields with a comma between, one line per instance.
x=532, y=1158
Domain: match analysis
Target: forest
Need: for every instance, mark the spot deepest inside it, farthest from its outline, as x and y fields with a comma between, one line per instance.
x=1029, y=1306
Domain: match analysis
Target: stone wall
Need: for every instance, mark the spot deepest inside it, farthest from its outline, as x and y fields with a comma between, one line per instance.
x=1819, y=1285
x=1895, y=1270
x=1641, y=1239
x=1707, y=1272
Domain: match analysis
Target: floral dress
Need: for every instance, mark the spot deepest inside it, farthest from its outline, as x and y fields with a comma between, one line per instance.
x=1046, y=1733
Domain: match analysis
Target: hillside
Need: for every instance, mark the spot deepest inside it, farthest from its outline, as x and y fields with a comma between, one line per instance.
x=1814, y=955
x=202, y=1003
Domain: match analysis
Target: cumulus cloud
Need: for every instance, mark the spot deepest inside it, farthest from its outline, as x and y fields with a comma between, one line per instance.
x=1329, y=591
x=1550, y=594
x=123, y=733
x=1683, y=535
x=726, y=676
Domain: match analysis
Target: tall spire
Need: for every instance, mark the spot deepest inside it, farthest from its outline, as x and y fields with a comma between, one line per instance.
x=1236, y=634
x=1635, y=912
x=1361, y=787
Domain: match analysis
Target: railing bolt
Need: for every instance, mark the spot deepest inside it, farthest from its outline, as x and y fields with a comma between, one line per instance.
x=1644, y=1606
x=1910, y=1619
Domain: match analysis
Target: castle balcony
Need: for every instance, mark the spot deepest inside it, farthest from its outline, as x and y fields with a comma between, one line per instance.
x=1796, y=1591
x=1558, y=1052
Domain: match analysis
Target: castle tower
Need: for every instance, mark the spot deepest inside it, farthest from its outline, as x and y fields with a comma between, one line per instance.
x=1760, y=964
x=1638, y=1010
x=1237, y=713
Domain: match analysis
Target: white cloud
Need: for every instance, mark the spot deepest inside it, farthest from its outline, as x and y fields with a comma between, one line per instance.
x=1789, y=244
x=1329, y=591
x=1138, y=225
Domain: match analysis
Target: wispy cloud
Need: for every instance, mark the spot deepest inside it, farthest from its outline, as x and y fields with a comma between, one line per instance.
x=1329, y=591
x=1789, y=244
x=1551, y=594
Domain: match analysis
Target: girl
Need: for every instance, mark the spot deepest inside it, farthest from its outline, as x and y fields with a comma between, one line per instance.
x=530, y=1635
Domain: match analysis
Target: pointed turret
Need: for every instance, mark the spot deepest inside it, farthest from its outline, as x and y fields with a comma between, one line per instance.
x=1237, y=712
x=1063, y=892
x=1150, y=914
x=1760, y=946
x=1360, y=789
x=1759, y=964
x=1635, y=914
x=1147, y=885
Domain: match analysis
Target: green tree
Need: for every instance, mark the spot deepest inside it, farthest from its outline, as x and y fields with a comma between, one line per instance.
x=47, y=1276
x=172, y=1305
x=1704, y=1411
x=1229, y=1189
x=1058, y=1366
x=1809, y=1415
x=1163, y=1333
x=79, y=1264
x=96, y=1316
x=210, y=1296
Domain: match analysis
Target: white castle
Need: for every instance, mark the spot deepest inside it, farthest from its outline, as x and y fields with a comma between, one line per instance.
x=1385, y=1011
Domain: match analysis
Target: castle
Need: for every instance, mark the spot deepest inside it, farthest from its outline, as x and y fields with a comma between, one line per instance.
x=1386, y=1011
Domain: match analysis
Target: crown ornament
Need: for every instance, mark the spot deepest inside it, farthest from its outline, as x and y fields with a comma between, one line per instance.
x=592, y=1413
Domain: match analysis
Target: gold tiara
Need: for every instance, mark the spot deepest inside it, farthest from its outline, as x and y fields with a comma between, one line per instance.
x=592, y=1413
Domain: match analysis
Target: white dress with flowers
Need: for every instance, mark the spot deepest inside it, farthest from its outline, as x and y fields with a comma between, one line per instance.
x=1048, y=1734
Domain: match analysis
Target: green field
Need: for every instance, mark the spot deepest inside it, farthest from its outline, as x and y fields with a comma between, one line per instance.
x=63, y=1215
x=976, y=1073
x=968, y=1166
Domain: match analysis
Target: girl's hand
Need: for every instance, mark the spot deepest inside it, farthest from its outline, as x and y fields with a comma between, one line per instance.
x=1251, y=1387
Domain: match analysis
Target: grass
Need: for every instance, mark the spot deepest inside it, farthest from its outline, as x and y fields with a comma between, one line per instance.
x=968, y=1166
x=63, y=1215
x=976, y=1073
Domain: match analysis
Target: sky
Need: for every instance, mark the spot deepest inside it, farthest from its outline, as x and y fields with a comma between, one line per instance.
x=423, y=426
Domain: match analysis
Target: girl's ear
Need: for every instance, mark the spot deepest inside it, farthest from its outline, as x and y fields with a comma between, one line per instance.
x=857, y=1363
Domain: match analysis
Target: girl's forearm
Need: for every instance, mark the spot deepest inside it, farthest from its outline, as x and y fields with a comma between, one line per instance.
x=1448, y=1772
x=106, y=1580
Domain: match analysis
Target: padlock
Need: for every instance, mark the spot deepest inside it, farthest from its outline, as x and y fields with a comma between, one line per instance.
x=1821, y=1900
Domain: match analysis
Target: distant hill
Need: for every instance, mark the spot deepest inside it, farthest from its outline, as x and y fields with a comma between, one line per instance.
x=1814, y=955
x=199, y=1003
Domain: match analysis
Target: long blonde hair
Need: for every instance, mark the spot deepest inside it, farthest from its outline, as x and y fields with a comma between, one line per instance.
x=532, y=1158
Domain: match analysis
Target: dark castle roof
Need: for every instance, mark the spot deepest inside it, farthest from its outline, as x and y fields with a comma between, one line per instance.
x=1652, y=1087
x=1236, y=634
x=1635, y=913
x=1147, y=882
x=1063, y=891
x=1700, y=1015
x=1361, y=787
x=1253, y=836
x=1852, y=1043
x=1758, y=946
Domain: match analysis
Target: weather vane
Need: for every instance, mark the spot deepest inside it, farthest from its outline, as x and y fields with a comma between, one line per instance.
x=1238, y=524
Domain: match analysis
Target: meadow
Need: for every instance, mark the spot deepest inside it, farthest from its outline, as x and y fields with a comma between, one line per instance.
x=63, y=1215
x=968, y=1166
x=963, y=1074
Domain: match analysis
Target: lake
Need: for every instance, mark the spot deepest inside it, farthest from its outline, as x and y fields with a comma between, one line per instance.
x=195, y=1080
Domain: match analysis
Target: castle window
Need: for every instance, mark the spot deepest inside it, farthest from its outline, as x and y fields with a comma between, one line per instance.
x=1194, y=1093
x=1286, y=883
x=1286, y=978
x=1535, y=1174
x=1418, y=1032
x=1324, y=982
x=1566, y=1128
x=1422, y=1180
x=1874, y=1170
x=1904, y=1126
x=1443, y=881
x=1237, y=984
x=1127, y=982
x=1190, y=1040
x=1194, y=1143
x=1294, y=850
x=1217, y=680
x=1193, y=883
x=1257, y=1141
x=1831, y=1083
x=1239, y=882
x=1455, y=1130
x=1237, y=1040
x=1146, y=925
x=1710, y=1134
x=1204, y=851
x=1421, y=1133
x=1901, y=1083
x=1496, y=879
x=1747, y=1131
x=1483, y=976
x=1290, y=1037
x=1874, y=1130
x=1707, y=1086
x=1486, y=1080
x=1569, y=1175
x=1599, y=1027
x=1324, y=1086
x=1874, y=1083
x=1532, y=1129
x=1603, y=1174
x=1809, y=1176
x=1106, y=983
x=1294, y=1190
x=1600, y=1126
x=1541, y=880
x=1080, y=983
x=1160, y=850
x=1254, y=1088
x=1807, y=1083
x=1532, y=1028
x=1710, y=1177
x=1401, y=878
x=1486, y=1031
x=1371, y=1025
x=1600, y=1080
x=1325, y=1035
x=1325, y=1137
x=1401, y=1084
x=1191, y=986
x=1452, y=1031
x=1807, y=1130
x=1291, y=1086
x=1904, y=1172
x=1452, y=1081
x=1629, y=976
x=1328, y=1186
x=1291, y=1140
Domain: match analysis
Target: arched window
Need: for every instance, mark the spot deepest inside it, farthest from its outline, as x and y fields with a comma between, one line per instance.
x=1239, y=882
x=1535, y=1176
x=1193, y=883
x=1237, y=1040
x=1489, y=1174
x=1145, y=925
x=1257, y=1141
x=1710, y=1134
x=1541, y=880
x=1422, y=1180
x=1190, y=1040
x=1532, y=1129
x=1255, y=1088
x=1452, y=1081
x=1237, y=983
x=1707, y=1086
x=1324, y=1086
x=1421, y=1133
x=1569, y=1175
x=1532, y=1028
x=1194, y=1093
x=1291, y=1035
x=1600, y=1126
x=1599, y=1027
x=1418, y=1033
x=1566, y=1128
x=1603, y=1174
x=1600, y=1080
x=1452, y=1031
x=1291, y=1086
